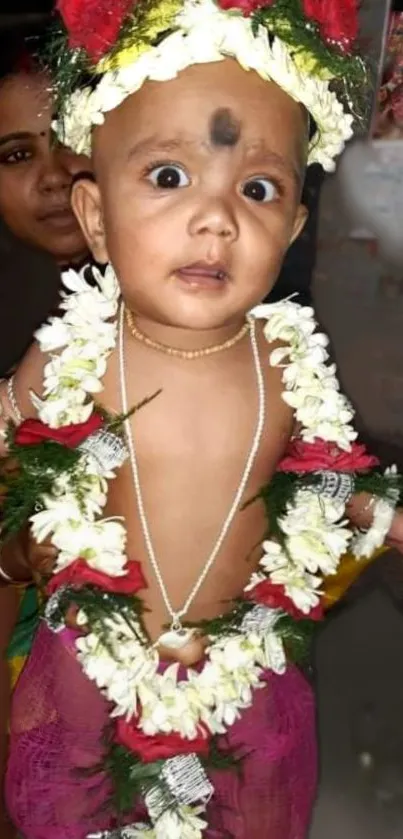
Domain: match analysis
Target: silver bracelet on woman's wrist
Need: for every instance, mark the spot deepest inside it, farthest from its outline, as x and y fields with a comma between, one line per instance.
x=13, y=401
x=4, y=576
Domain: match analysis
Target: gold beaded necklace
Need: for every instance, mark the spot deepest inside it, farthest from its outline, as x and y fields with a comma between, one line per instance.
x=187, y=355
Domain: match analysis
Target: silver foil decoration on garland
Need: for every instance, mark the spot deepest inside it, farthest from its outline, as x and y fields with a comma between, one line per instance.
x=183, y=781
x=108, y=449
x=338, y=486
x=55, y=620
x=262, y=620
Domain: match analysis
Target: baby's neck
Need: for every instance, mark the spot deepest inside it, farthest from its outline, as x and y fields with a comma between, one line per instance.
x=185, y=338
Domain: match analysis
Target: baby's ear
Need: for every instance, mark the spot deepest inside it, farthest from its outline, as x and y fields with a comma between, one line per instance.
x=299, y=222
x=87, y=206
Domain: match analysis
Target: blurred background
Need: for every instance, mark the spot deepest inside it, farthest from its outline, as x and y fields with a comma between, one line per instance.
x=349, y=262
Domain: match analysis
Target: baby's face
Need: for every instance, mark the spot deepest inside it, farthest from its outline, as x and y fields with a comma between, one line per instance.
x=197, y=194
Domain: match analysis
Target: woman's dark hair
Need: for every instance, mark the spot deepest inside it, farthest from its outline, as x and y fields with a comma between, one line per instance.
x=20, y=48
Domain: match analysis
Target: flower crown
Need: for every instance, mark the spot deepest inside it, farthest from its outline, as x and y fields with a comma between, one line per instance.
x=107, y=49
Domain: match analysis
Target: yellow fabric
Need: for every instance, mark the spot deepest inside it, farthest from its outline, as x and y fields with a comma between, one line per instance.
x=16, y=665
x=350, y=568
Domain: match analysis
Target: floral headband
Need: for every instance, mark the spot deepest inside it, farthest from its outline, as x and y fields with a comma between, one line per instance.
x=107, y=49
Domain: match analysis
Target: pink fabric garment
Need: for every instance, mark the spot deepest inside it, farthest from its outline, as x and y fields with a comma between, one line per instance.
x=58, y=717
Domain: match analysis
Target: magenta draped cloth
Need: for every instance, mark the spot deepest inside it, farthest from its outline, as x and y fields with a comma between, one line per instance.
x=58, y=718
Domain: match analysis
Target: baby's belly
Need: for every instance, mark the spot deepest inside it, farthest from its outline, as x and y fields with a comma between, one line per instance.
x=183, y=542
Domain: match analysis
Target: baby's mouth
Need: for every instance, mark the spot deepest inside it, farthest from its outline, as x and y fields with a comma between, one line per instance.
x=203, y=274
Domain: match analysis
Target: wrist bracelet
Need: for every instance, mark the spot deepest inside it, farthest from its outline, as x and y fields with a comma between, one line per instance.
x=4, y=576
x=13, y=402
x=2, y=412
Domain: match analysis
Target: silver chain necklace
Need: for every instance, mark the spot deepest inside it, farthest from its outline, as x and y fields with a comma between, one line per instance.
x=178, y=636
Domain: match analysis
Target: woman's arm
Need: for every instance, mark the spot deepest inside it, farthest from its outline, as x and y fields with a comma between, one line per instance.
x=15, y=394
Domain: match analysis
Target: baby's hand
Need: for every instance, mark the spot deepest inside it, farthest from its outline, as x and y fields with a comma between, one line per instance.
x=41, y=556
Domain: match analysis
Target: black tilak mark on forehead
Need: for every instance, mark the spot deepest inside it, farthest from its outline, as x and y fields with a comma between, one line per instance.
x=225, y=130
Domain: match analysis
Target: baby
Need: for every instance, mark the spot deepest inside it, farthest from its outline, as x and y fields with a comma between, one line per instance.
x=160, y=699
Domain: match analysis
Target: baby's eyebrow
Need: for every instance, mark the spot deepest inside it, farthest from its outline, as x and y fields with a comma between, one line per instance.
x=259, y=150
x=154, y=144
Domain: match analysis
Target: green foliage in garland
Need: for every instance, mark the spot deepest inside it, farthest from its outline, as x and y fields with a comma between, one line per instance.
x=99, y=606
x=296, y=636
x=130, y=777
x=36, y=468
x=225, y=624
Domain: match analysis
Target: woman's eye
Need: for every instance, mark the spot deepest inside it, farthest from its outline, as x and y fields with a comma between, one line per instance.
x=169, y=176
x=17, y=156
x=261, y=190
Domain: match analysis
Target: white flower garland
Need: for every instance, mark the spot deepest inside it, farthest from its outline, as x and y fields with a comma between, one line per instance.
x=316, y=533
x=213, y=698
x=86, y=336
x=204, y=33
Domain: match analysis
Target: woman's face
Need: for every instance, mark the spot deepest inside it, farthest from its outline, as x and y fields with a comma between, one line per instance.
x=36, y=173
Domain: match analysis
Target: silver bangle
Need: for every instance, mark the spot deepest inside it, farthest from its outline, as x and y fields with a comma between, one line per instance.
x=4, y=576
x=2, y=411
x=13, y=402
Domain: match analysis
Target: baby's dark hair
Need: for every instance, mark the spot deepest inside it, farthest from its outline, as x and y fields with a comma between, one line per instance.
x=20, y=48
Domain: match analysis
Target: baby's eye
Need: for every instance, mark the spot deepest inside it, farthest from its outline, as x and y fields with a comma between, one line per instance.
x=169, y=176
x=260, y=189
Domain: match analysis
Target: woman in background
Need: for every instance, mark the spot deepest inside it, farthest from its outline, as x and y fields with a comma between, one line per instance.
x=39, y=236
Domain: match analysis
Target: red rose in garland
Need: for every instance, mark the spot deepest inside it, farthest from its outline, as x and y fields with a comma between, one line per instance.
x=320, y=455
x=33, y=431
x=337, y=19
x=160, y=746
x=274, y=596
x=94, y=25
x=79, y=574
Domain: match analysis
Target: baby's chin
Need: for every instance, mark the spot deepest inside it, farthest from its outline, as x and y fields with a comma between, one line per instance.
x=190, y=319
x=204, y=312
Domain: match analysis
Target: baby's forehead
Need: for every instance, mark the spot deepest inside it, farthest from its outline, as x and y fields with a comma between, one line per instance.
x=213, y=110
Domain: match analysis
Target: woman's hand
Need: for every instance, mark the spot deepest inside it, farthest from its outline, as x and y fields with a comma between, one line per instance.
x=41, y=556
x=23, y=560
